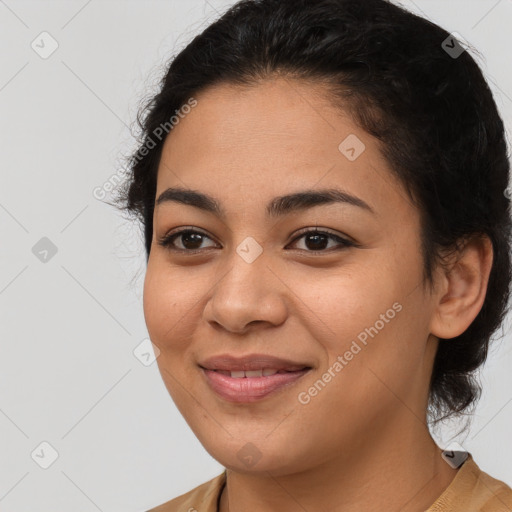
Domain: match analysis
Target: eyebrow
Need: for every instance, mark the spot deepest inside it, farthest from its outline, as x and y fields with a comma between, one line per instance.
x=279, y=206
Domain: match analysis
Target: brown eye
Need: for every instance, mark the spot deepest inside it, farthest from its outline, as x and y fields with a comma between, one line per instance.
x=191, y=240
x=316, y=241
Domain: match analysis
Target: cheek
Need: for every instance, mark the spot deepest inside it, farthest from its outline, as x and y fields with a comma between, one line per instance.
x=164, y=303
x=172, y=302
x=340, y=306
x=369, y=318
x=168, y=325
x=152, y=304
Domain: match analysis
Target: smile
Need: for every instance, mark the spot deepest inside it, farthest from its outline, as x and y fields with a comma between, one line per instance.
x=252, y=385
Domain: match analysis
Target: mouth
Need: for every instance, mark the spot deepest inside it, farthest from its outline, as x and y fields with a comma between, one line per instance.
x=250, y=378
x=263, y=372
x=251, y=362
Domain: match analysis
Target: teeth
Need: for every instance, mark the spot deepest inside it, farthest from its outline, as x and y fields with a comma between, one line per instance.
x=254, y=373
x=265, y=372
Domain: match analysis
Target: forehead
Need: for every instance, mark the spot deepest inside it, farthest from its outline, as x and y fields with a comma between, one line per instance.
x=278, y=113
x=271, y=138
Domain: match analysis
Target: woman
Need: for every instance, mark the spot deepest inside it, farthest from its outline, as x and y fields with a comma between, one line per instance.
x=322, y=189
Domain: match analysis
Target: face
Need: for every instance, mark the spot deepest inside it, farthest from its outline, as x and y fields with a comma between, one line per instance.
x=347, y=303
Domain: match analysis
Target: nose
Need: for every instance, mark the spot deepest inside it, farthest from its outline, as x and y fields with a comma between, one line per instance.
x=248, y=292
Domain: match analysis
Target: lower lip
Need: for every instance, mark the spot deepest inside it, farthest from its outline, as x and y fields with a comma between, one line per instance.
x=249, y=389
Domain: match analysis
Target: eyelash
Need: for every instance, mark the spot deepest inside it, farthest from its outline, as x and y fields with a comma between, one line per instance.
x=167, y=241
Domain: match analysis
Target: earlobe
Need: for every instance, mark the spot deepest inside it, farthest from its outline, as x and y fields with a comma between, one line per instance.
x=464, y=288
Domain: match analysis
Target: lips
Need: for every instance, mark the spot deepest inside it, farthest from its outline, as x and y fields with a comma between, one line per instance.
x=251, y=362
x=250, y=389
x=252, y=377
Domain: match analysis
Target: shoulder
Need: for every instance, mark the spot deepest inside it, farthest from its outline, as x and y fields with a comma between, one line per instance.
x=204, y=497
x=473, y=490
x=496, y=495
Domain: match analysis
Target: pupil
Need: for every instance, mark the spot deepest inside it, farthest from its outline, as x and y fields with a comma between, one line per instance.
x=188, y=236
x=316, y=238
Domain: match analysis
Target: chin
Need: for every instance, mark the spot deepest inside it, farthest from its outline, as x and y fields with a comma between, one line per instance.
x=254, y=456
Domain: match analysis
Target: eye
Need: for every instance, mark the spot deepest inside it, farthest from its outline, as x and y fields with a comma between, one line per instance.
x=316, y=240
x=192, y=239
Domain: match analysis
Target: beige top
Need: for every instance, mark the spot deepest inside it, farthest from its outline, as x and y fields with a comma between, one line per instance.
x=471, y=490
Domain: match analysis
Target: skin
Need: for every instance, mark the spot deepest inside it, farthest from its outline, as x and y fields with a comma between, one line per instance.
x=361, y=443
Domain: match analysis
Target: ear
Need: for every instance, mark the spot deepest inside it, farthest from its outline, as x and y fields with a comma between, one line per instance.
x=462, y=289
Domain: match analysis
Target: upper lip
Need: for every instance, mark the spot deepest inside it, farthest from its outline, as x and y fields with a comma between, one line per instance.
x=250, y=362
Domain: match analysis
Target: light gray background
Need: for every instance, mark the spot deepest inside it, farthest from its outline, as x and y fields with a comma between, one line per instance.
x=69, y=326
